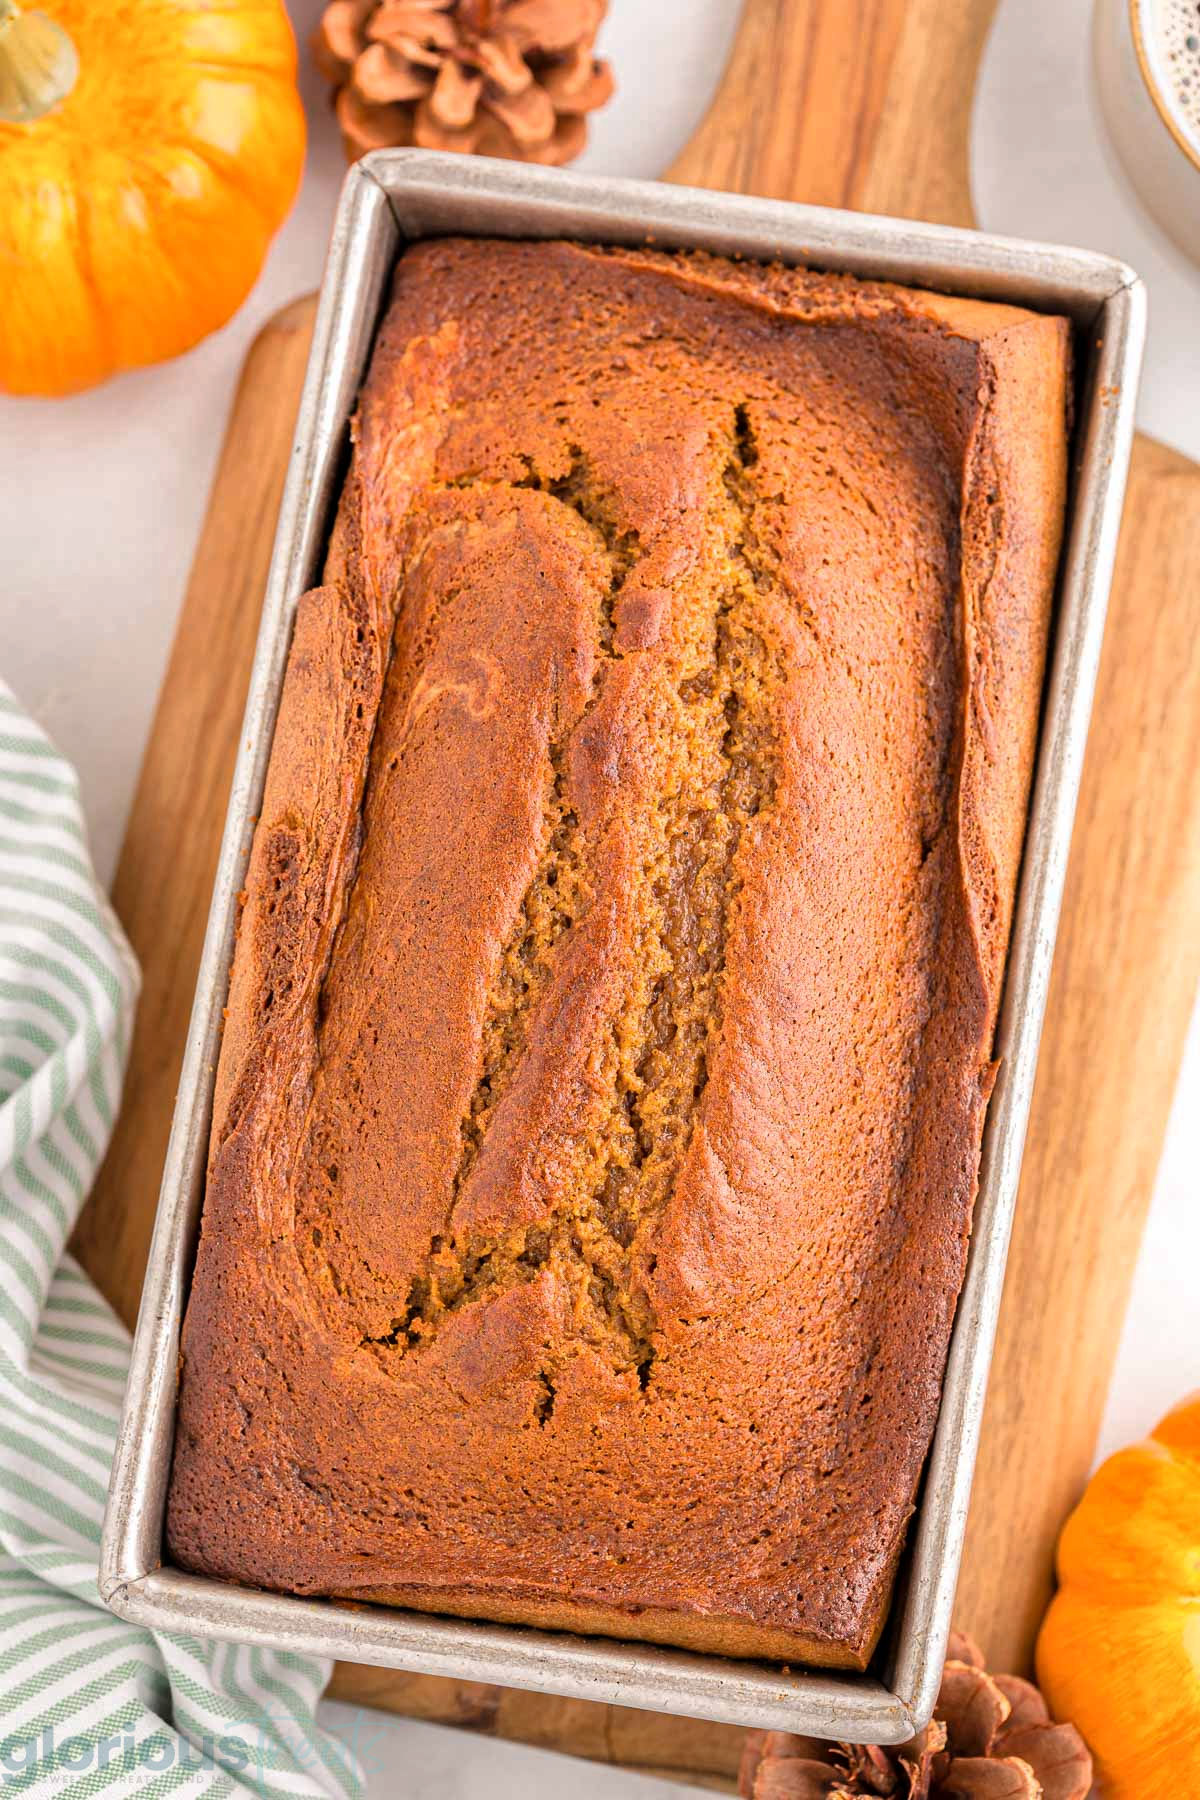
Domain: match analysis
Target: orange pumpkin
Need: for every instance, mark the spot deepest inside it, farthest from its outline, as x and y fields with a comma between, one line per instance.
x=1119, y=1652
x=149, y=150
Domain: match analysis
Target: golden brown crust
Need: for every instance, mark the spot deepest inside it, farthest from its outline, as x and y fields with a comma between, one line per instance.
x=712, y=1633
x=598, y=1118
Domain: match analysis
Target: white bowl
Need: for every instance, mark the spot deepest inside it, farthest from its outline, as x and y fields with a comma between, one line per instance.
x=1147, y=58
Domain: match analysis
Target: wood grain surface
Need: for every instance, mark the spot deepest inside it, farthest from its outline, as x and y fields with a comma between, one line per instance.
x=863, y=103
x=169, y=854
x=1125, y=972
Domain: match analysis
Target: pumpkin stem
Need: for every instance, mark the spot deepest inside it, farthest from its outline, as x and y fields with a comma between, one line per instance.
x=39, y=64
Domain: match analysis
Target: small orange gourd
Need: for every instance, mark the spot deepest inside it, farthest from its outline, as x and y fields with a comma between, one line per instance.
x=149, y=149
x=1119, y=1651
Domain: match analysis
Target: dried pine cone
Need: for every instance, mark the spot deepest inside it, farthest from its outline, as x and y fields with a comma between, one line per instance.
x=991, y=1738
x=499, y=77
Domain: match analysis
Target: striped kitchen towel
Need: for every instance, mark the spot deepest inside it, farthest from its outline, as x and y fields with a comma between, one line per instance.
x=90, y=1705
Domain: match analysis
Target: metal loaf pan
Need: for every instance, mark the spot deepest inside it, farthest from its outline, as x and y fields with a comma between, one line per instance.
x=389, y=199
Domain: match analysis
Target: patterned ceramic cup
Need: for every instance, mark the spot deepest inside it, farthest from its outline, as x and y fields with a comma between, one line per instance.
x=1147, y=58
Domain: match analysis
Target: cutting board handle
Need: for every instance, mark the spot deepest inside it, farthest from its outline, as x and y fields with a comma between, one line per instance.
x=861, y=103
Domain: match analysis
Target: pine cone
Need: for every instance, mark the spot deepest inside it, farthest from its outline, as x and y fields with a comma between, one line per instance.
x=991, y=1738
x=499, y=77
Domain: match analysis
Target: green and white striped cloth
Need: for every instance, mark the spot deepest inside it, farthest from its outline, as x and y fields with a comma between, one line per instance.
x=90, y=1705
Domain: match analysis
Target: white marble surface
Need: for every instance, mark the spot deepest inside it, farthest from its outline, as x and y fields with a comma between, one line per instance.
x=405, y=1760
x=1042, y=166
x=101, y=498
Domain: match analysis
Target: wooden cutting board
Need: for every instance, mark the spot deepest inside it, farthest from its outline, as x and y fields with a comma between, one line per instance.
x=861, y=103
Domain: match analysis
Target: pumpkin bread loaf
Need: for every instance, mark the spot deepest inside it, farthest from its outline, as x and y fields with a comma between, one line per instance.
x=598, y=1116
